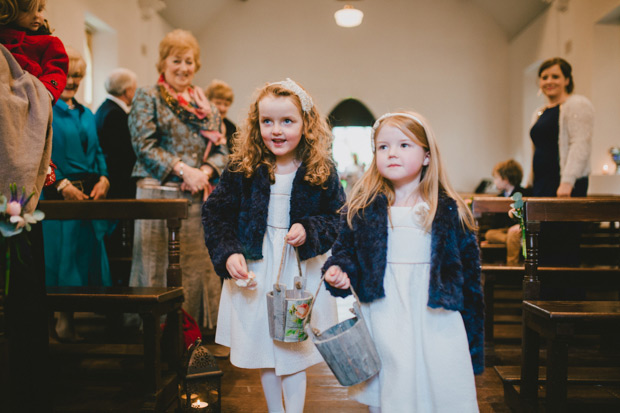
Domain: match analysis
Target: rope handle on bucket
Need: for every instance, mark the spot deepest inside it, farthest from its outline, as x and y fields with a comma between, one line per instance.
x=307, y=319
x=297, y=285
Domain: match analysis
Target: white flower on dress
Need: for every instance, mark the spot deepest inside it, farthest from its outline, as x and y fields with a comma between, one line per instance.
x=420, y=212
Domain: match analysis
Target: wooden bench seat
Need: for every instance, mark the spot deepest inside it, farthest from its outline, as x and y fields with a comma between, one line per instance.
x=603, y=278
x=575, y=375
x=590, y=252
x=151, y=303
x=559, y=322
x=538, y=210
x=567, y=209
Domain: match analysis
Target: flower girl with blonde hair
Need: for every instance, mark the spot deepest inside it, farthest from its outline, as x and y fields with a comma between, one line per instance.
x=407, y=246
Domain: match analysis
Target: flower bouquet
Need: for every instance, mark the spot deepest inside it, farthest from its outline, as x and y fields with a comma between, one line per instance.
x=13, y=220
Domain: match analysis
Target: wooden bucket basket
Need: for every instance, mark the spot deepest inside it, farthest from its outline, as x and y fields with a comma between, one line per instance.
x=347, y=347
x=288, y=309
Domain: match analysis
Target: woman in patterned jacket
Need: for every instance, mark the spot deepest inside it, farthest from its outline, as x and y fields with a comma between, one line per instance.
x=180, y=151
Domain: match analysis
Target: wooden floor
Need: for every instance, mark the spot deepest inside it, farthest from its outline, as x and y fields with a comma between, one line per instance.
x=96, y=385
x=242, y=392
x=85, y=385
x=89, y=385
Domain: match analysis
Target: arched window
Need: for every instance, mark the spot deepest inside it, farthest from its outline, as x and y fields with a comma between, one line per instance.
x=351, y=123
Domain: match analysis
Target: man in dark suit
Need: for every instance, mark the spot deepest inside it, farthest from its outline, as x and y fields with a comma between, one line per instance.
x=113, y=131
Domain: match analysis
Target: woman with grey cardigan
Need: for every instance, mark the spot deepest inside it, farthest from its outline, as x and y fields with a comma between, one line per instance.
x=562, y=136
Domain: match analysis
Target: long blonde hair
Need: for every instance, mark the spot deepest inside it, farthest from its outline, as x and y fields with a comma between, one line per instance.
x=314, y=149
x=433, y=180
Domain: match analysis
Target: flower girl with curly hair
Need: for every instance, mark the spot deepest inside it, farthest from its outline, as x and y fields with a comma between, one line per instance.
x=281, y=186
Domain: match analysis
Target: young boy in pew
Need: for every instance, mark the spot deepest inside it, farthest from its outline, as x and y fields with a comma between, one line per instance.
x=507, y=176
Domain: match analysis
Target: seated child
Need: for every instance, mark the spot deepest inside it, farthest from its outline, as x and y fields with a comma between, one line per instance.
x=507, y=178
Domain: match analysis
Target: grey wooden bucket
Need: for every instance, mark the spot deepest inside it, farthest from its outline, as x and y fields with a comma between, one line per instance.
x=347, y=347
x=288, y=309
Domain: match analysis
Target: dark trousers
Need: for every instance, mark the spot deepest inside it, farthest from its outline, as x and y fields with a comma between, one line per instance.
x=26, y=324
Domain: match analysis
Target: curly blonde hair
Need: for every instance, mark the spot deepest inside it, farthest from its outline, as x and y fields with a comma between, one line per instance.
x=432, y=181
x=314, y=149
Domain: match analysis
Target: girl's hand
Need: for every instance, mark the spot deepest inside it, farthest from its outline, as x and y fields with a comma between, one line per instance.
x=564, y=190
x=71, y=193
x=296, y=235
x=237, y=267
x=100, y=190
x=337, y=278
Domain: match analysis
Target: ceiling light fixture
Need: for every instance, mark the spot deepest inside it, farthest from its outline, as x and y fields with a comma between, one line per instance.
x=348, y=16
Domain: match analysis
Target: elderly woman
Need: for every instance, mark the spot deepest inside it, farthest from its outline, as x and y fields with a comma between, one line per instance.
x=74, y=250
x=176, y=136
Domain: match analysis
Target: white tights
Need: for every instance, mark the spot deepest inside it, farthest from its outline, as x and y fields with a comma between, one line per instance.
x=293, y=386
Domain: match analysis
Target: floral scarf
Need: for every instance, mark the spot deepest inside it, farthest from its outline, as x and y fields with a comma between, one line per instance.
x=197, y=112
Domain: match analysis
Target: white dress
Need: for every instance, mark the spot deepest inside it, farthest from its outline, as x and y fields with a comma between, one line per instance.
x=243, y=323
x=426, y=365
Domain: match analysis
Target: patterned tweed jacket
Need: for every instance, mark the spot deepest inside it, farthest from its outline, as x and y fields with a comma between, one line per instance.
x=455, y=265
x=235, y=215
x=160, y=138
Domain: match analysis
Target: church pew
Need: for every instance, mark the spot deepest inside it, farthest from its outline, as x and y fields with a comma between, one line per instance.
x=494, y=275
x=150, y=302
x=560, y=321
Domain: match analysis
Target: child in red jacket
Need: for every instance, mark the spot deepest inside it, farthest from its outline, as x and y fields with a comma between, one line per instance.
x=25, y=33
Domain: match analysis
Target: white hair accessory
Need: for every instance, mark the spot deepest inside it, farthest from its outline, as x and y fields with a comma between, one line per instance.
x=304, y=98
x=390, y=115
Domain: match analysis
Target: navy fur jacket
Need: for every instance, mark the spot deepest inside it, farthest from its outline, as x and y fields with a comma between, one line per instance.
x=361, y=252
x=235, y=215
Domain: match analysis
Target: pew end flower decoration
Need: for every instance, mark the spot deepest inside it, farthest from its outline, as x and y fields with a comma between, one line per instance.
x=516, y=211
x=13, y=219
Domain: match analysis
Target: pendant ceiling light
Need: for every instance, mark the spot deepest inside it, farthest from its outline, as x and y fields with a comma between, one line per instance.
x=348, y=17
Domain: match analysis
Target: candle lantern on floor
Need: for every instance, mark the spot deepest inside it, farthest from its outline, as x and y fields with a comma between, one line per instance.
x=200, y=390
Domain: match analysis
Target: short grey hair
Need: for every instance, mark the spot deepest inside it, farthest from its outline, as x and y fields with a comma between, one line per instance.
x=119, y=80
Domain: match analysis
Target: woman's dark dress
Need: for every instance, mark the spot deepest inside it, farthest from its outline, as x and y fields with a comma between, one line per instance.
x=559, y=242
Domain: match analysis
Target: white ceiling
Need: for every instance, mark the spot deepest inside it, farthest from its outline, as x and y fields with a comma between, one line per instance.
x=511, y=15
x=191, y=15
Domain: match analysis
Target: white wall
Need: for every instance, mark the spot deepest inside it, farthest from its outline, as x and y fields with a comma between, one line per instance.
x=592, y=48
x=444, y=58
x=123, y=37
